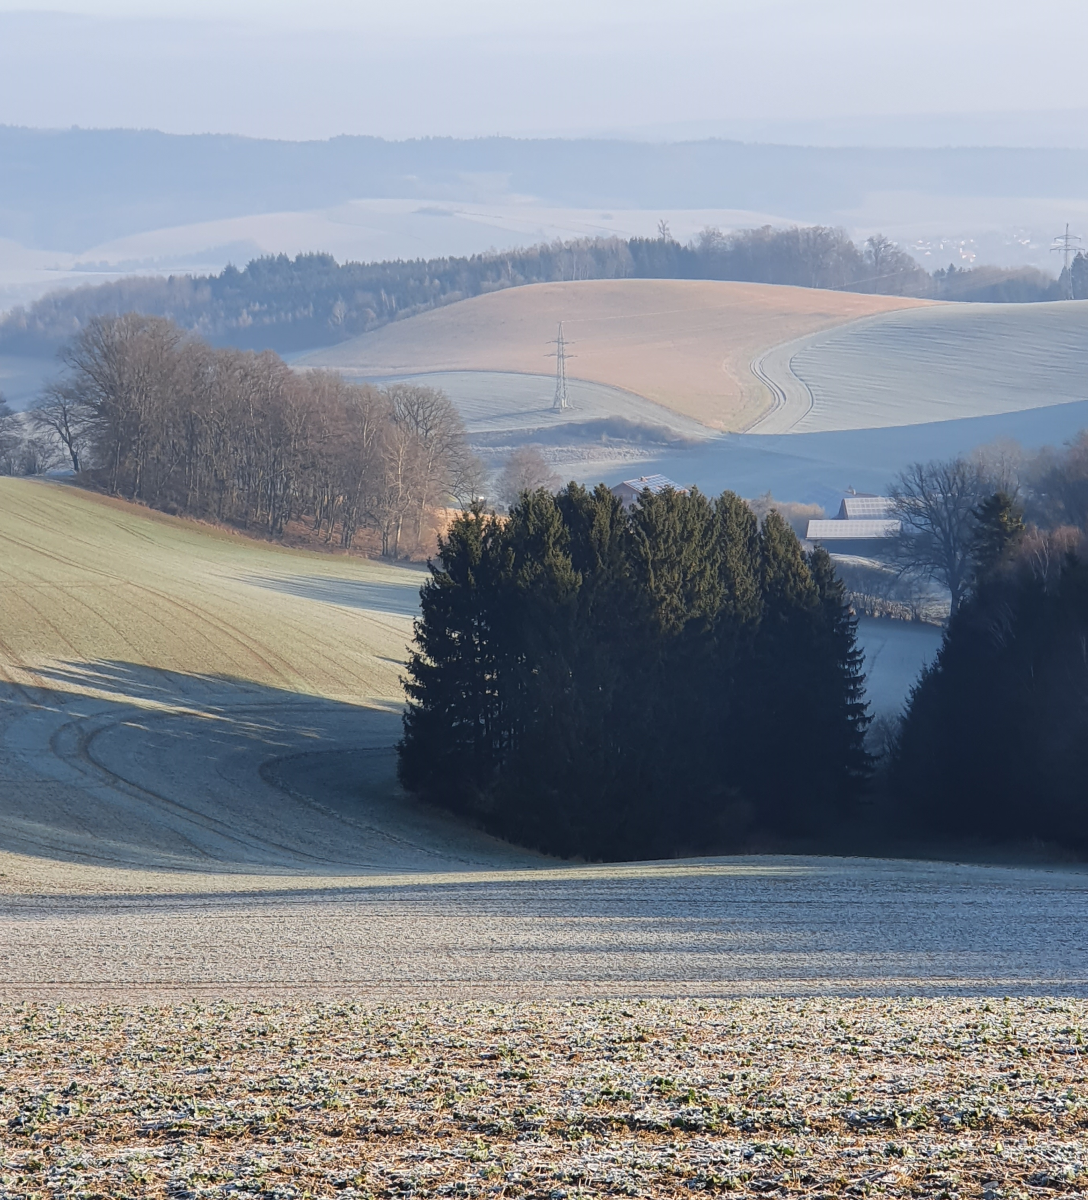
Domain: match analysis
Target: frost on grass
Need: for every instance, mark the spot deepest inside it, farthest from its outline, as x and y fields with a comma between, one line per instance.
x=647, y=1098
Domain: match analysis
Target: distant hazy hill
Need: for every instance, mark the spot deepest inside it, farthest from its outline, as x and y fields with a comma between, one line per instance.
x=74, y=189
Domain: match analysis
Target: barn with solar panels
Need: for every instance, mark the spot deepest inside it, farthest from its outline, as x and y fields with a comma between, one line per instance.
x=864, y=527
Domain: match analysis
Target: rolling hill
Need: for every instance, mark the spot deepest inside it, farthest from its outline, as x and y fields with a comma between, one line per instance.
x=685, y=345
x=197, y=800
x=942, y=363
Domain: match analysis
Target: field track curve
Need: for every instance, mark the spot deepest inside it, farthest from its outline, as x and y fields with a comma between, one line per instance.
x=686, y=345
x=942, y=363
x=197, y=798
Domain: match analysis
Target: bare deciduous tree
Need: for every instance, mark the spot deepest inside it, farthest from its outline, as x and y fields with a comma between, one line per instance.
x=934, y=503
x=241, y=437
x=61, y=413
x=9, y=436
x=526, y=470
x=1059, y=485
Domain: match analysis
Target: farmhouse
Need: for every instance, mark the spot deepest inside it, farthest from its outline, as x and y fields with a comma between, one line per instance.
x=630, y=491
x=863, y=526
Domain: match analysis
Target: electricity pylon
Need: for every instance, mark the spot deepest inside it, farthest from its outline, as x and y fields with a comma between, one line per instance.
x=561, y=402
x=1065, y=245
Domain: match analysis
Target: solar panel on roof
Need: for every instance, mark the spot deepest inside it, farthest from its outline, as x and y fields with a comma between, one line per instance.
x=835, y=531
x=656, y=483
x=865, y=507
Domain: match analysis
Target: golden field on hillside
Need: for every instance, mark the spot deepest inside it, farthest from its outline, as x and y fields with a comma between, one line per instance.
x=85, y=578
x=686, y=344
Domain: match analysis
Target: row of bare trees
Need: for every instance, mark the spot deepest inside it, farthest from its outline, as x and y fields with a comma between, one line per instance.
x=151, y=413
x=938, y=503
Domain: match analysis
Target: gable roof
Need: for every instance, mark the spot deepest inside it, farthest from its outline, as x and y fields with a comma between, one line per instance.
x=655, y=483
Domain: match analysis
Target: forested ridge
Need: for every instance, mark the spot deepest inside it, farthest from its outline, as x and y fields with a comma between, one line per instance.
x=628, y=684
x=290, y=304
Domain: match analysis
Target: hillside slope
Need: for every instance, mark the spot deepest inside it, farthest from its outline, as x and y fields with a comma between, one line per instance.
x=89, y=579
x=942, y=363
x=685, y=344
x=150, y=671
x=197, y=800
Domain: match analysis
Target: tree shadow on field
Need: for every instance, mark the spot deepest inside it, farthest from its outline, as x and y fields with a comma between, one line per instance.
x=397, y=599
x=116, y=763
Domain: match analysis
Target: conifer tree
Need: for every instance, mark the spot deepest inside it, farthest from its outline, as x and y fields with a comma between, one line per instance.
x=994, y=746
x=676, y=557
x=452, y=727
x=805, y=676
x=840, y=714
x=999, y=526
x=622, y=684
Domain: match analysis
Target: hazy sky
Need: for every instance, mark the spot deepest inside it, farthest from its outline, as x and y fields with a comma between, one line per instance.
x=284, y=68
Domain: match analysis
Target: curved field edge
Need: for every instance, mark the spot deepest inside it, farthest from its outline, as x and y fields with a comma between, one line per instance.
x=686, y=345
x=954, y=362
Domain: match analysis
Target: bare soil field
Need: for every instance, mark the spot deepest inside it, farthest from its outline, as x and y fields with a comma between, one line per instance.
x=633, y=1098
x=686, y=345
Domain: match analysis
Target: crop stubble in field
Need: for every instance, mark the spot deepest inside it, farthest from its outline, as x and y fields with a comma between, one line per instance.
x=942, y=363
x=822, y=1097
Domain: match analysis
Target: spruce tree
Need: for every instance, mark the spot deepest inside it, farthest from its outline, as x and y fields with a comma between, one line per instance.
x=797, y=686
x=994, y=746
x=622, y=684
x=999, y=526
x=840, y=713
x=452, y=722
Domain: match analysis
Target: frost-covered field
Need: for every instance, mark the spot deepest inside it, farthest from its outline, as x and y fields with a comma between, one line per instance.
x=822, y=1097
x=235, y=960
x=932, y=364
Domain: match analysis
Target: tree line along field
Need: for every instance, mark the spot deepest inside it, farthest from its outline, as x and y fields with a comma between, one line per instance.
x=687, y=345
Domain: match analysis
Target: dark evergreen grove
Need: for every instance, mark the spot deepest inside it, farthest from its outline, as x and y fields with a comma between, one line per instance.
x=994, y=745
x=612, y=684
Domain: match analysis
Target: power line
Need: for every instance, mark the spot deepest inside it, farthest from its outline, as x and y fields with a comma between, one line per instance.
x=561, y=403
x=1065, y=245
